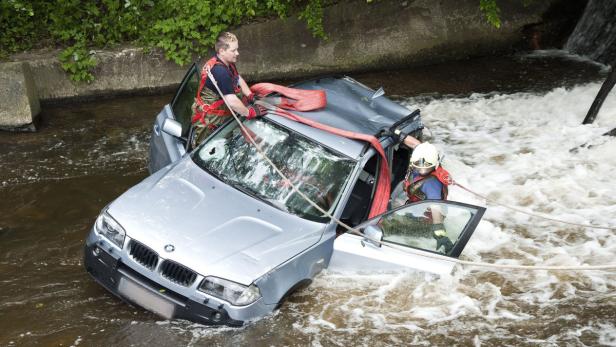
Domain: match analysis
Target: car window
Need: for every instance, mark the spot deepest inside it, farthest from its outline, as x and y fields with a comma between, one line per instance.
x=316, y=170
x=184, y=99
x=435, y=226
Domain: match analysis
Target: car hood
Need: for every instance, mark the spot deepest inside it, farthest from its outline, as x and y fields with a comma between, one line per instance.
x=215, y=229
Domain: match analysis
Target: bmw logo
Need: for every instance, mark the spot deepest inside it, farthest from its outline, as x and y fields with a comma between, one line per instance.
x=169, y=248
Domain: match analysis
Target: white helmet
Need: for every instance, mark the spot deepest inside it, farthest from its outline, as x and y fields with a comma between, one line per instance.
x=424, y=158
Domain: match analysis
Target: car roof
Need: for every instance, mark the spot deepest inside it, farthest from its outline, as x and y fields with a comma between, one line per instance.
x=350, y=107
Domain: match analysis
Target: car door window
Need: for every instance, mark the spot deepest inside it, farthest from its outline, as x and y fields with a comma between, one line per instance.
x=419, y=226
x=182, y=104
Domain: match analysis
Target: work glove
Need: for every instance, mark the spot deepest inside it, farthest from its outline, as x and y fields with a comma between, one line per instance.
x=251, y=98
x=255, y=111
x=440, y=234
x=438, y=230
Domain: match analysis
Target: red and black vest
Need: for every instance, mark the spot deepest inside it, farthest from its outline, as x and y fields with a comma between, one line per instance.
x=209, y=105
x=413, y=189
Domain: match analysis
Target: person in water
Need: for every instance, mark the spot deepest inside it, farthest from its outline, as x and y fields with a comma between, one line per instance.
x=210, y=108
x=426, y=179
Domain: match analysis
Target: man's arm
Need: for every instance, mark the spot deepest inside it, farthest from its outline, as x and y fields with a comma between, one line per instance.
x=236, y=104
x=411, y=142
x=245, y=89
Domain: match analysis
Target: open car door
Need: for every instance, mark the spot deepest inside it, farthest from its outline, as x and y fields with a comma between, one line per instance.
x=173, y=124
x=413, y=233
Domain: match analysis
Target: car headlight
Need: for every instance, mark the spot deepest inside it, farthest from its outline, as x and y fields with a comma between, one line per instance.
x=110, y=229
x=235, y=293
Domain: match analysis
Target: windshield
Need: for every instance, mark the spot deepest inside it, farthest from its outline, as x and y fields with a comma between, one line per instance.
x=315, y=170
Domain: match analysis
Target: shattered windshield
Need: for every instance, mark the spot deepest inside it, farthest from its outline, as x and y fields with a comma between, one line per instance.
x=315, y=170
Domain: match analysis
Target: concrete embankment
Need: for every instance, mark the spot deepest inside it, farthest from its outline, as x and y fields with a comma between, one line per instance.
x=362, y=36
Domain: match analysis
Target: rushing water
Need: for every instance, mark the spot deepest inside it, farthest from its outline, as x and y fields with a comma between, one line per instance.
x=505, y=125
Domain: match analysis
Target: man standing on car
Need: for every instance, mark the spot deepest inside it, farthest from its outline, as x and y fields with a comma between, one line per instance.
x=210, y=108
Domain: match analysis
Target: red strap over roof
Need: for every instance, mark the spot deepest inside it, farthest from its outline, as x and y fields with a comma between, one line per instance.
x=309, y=100
x=291, y=98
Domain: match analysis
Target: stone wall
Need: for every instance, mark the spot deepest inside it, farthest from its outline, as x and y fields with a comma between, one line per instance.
x=362, y=36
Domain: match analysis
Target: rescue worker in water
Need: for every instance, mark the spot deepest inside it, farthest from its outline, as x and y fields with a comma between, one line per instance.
x=427, y=179
x=209, y=109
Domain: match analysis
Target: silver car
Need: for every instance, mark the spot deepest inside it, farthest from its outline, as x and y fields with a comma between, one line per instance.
x=215, y=236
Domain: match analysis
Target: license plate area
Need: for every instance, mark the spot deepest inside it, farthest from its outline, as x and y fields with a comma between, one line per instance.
x=145, y=298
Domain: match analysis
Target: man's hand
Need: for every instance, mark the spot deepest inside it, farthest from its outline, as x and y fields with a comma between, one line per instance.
x=255, y=111
x=251, y=98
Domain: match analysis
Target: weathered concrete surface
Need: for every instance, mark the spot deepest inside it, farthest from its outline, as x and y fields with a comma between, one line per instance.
x=126, y=70
x=19, y=100
x=383, y=34
x=362, y=36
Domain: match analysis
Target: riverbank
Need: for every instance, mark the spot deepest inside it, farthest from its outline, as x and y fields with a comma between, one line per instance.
x=362, y=36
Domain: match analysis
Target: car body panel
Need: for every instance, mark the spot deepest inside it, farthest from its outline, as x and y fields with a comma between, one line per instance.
x=179, y=210
x=351, y=106
x=164, y=148
x=349, y=147
x=355, y=253
x=352, y=254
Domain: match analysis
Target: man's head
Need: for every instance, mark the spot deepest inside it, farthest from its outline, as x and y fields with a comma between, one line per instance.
x=226, y=47
x=424, y=159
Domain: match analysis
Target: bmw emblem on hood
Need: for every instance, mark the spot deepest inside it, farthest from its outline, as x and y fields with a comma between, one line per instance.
x=169, y=248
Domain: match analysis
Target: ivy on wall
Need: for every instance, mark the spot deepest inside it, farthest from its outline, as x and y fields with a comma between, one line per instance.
x=180, y=28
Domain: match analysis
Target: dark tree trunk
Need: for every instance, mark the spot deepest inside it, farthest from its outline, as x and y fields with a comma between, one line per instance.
x=603, y=92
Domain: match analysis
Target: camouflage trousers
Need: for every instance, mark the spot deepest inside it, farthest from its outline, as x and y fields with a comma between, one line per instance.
x=205, y=126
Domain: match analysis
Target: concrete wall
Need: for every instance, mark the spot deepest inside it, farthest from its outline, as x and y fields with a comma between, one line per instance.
x=362, y=36
x=19, y=102
x=382, y=34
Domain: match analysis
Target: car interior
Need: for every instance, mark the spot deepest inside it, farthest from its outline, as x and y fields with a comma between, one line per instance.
x=358, y=206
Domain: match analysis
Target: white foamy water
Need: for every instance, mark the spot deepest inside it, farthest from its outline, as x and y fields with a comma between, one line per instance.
x=515, y=149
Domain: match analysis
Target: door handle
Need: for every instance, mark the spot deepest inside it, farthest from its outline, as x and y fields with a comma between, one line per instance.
x=156, y=129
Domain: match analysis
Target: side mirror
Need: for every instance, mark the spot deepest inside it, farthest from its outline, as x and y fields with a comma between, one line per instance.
x=172, y=127
x=373, y=235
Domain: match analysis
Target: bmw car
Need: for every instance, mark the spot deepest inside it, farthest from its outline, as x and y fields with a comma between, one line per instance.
x=214, y=235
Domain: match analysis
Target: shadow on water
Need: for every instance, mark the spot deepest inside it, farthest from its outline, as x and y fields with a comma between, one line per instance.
x=54, y=183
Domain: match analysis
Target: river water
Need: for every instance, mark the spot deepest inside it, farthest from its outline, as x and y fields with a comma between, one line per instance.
x=505, y=125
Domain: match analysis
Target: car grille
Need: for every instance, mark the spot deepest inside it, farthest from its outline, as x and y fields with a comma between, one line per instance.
x=143, y=255
x=178, y=273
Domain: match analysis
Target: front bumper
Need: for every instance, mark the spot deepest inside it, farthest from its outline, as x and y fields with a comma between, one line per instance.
x=133, y=287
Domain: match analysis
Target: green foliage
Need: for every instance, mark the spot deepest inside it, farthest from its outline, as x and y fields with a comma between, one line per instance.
x=78, y=62
x=181, y=28
x=491, y=12
x=313, y=15
x=16, y=26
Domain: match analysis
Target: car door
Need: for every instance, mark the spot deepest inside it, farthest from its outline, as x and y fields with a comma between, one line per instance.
x=167, y=146
x=408, y=238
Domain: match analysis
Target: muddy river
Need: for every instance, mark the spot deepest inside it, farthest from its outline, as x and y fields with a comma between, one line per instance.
x=505, y=126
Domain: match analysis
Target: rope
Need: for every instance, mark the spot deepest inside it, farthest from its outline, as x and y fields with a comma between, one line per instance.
x=530, y=213
x=354, y=231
